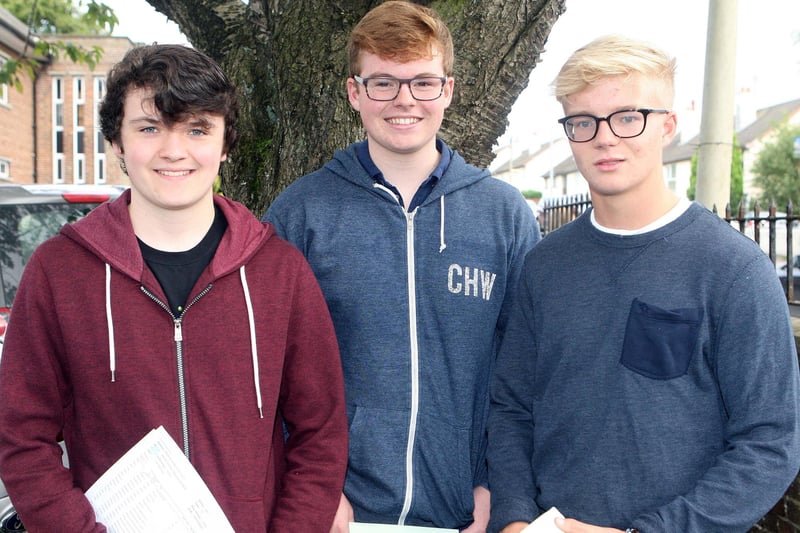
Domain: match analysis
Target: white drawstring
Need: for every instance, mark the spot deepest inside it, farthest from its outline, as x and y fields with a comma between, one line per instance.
x=112, y=354
x=253, y=347
x=442, y=244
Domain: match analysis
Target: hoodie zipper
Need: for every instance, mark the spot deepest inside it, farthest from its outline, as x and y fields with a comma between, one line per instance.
x=412, y=323
x=177, y=334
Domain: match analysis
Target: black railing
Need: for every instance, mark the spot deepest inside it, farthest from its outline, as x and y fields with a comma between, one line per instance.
x=558, y=211
x=754, y=224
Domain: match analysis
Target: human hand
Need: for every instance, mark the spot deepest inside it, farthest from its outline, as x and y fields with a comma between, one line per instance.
x=344, y=515
x=480, y=515
x=570, y=525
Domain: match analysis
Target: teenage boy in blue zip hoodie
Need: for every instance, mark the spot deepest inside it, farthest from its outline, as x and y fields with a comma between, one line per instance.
x=648, y=377
x=418, y=255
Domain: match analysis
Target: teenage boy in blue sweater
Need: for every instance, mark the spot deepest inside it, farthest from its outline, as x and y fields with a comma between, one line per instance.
x=418, y=255
x=648, y=376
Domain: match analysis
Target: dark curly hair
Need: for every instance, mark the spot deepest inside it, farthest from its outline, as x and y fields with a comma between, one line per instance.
x=184, y=82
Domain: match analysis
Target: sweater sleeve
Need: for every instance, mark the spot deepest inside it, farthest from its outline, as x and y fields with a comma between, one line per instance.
x=313, y=408
x=527, y=235
x=511, y=423
x=31, y=414
x=755, y=359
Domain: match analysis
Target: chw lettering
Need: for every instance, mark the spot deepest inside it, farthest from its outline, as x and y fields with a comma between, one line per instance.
x=470, y=281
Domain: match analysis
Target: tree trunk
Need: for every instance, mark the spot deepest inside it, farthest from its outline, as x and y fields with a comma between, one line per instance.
x=287, y=58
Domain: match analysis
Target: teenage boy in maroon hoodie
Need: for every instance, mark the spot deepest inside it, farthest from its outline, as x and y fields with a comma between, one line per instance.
x=173, y=306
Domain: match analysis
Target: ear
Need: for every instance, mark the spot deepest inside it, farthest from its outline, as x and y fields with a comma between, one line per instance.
x=447, y=93
x=353, y=92
x=118, y=151
x=670, y=128
x=223, y=157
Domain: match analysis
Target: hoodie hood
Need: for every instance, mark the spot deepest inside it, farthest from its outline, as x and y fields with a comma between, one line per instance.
x=459, y=174
x=107, y=232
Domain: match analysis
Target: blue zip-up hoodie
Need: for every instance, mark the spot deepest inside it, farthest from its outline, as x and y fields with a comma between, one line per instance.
x=419, y=301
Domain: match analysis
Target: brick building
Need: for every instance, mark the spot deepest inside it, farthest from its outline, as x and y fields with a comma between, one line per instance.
x=49, y=132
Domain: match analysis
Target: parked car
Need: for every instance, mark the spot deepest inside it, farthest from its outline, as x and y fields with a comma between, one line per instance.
x=30, y=214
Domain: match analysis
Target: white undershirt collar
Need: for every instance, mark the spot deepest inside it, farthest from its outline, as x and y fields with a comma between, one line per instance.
x=680, y=208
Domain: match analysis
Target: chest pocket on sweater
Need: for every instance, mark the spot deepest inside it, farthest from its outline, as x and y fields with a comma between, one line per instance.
x=659, y=342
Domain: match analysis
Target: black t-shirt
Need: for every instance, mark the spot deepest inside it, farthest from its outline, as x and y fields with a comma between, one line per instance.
x=177, y=272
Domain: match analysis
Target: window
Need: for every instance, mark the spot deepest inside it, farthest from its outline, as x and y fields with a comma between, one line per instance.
x=99, y=141
x=3, y=86
x=5, y=169
x=671, y=176
x=78, y=130
x=58, y=130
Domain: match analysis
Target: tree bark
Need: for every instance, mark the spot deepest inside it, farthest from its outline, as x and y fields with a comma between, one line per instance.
x=288, y=59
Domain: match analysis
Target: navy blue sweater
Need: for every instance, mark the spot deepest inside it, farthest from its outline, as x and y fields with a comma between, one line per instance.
x=646, y=381
x=419, y=301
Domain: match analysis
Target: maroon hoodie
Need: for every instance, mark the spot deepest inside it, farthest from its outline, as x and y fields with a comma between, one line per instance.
x=93, y=354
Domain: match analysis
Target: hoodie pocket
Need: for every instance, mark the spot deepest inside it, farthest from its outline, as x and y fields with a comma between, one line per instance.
x=441, y=476
x=659, y=342
x=376, y=466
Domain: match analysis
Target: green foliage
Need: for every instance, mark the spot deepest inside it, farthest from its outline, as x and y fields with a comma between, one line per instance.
x=737, y=175
x=532, y=195
x=775, y=169
x=51, y=17
x=63, y=16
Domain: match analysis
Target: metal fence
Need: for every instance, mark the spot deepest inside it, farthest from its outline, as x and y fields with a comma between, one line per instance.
x=777, y=233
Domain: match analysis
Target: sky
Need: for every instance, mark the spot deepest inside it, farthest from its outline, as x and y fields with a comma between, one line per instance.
x=767, y=58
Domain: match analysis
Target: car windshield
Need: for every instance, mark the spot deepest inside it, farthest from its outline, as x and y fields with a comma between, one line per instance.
x=22, y=228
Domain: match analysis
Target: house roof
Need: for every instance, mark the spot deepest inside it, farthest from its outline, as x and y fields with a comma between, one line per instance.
x=13, y=33
x=766, y=119
x=677, y=151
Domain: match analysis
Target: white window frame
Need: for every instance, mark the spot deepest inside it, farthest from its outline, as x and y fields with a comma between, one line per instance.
x=3, y=86
x=100, y=170
x=5, y=169
x=58, y=157
x=671, y=176
x=78, y=130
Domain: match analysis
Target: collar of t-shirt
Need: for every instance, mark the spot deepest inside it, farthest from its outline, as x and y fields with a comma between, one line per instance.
x=680, y=208
x=424, y=190
x=177, y=272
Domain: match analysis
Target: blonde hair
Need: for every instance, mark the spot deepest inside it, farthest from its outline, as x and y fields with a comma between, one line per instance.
x=614, y=55
x=403, y=32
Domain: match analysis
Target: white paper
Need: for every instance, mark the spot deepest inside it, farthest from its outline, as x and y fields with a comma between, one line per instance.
x=545, y=523
x=154, y=488
x=362, y=527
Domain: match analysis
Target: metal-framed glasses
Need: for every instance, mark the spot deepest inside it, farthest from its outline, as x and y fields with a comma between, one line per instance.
x=382, y=89
x=624, y=124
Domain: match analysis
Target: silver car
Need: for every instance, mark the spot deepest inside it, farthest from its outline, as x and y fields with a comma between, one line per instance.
x=30, y=214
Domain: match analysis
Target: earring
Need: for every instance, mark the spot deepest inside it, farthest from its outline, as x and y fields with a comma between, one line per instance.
x=122, y=166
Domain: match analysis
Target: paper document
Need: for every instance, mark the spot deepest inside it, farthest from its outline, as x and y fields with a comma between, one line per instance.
x=545, y=523
x=154, y=488
x=389, y=528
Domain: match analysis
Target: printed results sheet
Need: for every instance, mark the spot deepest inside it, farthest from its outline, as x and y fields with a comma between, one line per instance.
x=154, y=488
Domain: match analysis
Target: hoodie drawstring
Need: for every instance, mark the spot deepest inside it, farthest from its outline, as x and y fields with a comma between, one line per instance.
x=253, y=347
x=442, y=244
x=112, y=354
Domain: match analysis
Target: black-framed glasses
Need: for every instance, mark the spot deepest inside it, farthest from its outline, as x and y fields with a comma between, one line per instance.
x=384, y=89
x=624, y=124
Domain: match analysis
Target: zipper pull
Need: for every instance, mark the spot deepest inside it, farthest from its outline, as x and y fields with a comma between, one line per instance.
x=178, y=331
